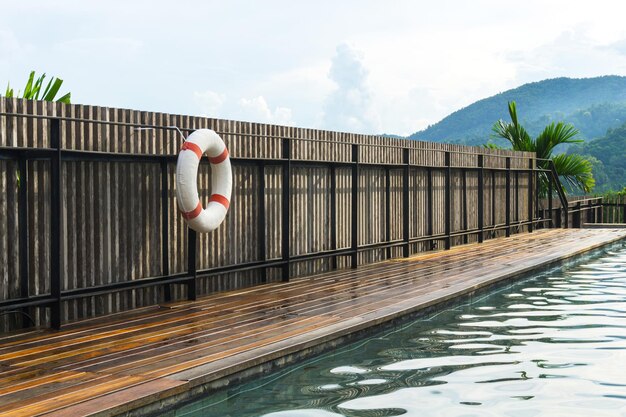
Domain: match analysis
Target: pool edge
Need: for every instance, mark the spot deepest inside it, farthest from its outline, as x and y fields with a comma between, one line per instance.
x=188, y=385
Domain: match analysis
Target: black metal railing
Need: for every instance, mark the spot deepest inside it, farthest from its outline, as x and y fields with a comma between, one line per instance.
x=56, y=155
x=577, y=212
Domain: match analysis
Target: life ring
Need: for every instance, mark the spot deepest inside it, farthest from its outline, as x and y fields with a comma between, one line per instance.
x=199, y=142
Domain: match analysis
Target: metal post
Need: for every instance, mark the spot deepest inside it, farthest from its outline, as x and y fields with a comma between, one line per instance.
x=286, y=223
x=577, y=215
x=22, y=220
x=508, y=198
x=333, y=214
x=602, y=214
x=261, y=220
x=405, y=203
x=536, y=177
x=355, y=203
x=552, y=223
x=590, y=211
x=516, y=218
x=481, y=198
x=493, y=198
x=56, y=221
x=430, y=225
x=531, y=188
x=465, y=220
x=448, y=208
x=191, y=264
x=388, y=210
x=165, y=250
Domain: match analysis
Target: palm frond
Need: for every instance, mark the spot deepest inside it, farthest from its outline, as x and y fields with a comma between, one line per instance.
x=575, y=170
x=513, y=131
x=555, y=134
x=9, y=92
x=29, y=85
x=491, y=145
x=33, y=89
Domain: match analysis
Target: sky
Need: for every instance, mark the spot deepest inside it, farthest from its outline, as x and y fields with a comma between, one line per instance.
x=350, y=65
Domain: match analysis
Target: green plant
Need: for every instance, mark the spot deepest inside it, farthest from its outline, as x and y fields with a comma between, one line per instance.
x=573, y=168
x=32, y=90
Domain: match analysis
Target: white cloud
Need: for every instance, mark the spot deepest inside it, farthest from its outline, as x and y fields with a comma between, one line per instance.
x=574, y=53
x=349, y=106
x=420, y=60
x=256, y=109
x=209, y=102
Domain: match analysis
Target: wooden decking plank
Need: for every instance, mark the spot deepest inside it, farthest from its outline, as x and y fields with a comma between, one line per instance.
x=359, y=297
x=144, y=392
x=51, y=401
x=77, y=350
x=136, y=357
x=220, y=303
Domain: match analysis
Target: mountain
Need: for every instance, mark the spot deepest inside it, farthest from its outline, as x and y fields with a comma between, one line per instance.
x=608, y=157
x=593, y=105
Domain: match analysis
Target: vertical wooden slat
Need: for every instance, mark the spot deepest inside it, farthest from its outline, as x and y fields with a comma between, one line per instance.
x=127, y=226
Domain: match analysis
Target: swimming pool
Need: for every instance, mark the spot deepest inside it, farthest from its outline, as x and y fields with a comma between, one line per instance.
x=550, y=345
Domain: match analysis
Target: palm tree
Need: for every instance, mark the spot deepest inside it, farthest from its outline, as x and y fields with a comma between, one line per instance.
x=33, y=89
x=574, y=169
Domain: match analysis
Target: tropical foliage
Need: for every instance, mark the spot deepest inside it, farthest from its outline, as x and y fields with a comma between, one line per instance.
x=33, y=89
x=572, y=169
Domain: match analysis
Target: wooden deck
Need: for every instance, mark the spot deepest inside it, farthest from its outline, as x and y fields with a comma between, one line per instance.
x=128, y=361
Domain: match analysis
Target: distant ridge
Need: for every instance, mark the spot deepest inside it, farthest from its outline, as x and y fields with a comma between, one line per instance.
x=592, y=104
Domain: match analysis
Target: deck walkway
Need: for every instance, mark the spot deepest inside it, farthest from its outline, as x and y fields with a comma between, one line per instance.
x=123, y=362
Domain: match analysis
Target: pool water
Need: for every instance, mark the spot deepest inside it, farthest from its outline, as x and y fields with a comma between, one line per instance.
x=550, y=345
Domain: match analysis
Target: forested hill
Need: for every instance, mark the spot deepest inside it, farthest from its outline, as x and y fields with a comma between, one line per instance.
x=608, y=157
x=593, y=105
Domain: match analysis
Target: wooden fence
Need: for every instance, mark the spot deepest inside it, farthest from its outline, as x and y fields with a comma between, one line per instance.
x=89, y=222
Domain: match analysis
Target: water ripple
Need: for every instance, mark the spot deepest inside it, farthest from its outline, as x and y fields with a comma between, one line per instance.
x=553, y=345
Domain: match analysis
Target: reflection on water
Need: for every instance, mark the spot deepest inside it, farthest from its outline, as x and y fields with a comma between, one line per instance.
x=553, y=345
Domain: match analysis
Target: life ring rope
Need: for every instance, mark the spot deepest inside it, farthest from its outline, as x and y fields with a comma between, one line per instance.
x=197, y=144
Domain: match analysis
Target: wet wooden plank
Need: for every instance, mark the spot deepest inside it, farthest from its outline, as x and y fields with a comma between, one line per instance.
x=132, y=359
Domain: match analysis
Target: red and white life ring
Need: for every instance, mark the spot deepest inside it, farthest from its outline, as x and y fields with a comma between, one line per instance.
x=199, y=142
